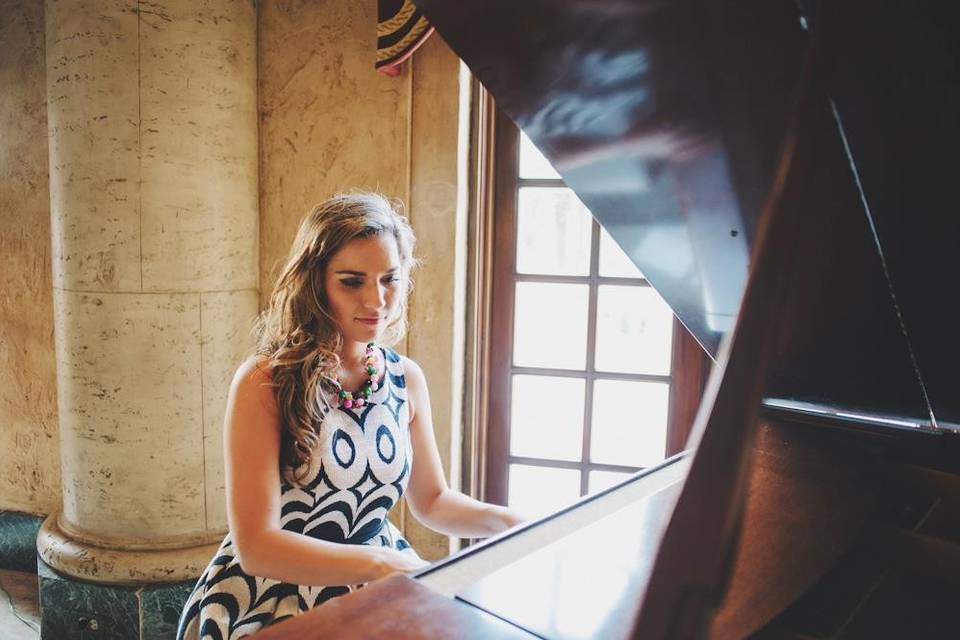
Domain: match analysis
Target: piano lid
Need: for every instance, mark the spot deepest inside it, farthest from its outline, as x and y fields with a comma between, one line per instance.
x=649, y=114
x=666, y=119
x=896, y=87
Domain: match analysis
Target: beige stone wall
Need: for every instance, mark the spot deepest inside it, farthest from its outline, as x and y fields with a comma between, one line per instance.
x=329, y=123
x=29, y=445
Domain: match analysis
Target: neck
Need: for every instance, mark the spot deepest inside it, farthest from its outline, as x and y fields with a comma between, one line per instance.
x=351, y=353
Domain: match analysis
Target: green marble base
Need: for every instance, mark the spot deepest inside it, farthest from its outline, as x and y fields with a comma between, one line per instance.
x=75, y=610
x=18, y=541
x=160, y=609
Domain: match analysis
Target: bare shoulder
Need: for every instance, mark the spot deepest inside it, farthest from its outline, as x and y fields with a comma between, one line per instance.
x=416, y=384
x=413, y=373
x=254, y=367
x=254, y=380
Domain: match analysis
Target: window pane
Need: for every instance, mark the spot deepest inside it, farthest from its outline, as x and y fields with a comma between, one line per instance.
x=550, y=325
x=634, y=330
x=546, y=418
x=629, y=422
x=614, y=263
x=537, y=491
x=600, y=480
x=532, y=162
x=553, y=232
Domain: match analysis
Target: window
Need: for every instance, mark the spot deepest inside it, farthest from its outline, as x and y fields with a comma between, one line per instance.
x=590, y=376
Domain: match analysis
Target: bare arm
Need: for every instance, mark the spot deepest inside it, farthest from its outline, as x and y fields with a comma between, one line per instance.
x=430, y=498
x=252, y=445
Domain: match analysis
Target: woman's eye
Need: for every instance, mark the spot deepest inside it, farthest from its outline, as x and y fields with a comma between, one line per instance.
x=353, y=283
x=390, y=279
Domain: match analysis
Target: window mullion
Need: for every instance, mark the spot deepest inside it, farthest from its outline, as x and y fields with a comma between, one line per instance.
x=543, y=183
x=595, y=375
x=591, y=342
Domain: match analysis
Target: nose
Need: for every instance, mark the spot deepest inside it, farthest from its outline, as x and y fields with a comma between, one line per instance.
x=375, y=296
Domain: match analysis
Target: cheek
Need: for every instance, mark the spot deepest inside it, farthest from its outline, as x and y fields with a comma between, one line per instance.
x=338, y=301
x=393, y=298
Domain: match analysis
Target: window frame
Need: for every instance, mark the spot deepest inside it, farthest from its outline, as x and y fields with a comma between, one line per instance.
x=491, y=441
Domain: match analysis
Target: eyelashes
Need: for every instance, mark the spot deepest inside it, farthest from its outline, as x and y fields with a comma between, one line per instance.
x=356, y=283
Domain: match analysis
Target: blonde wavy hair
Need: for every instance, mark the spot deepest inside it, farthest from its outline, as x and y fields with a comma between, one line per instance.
x=297, y=334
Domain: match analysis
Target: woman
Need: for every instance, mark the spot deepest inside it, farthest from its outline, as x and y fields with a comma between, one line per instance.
x=325, y=429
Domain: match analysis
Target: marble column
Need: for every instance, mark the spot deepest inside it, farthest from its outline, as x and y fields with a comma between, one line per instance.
x=153, y=190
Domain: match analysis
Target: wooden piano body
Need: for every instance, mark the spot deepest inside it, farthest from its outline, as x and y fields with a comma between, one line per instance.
x=813, y=145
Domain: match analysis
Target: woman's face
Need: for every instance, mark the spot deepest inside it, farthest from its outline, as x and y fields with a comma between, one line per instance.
x=363, y=286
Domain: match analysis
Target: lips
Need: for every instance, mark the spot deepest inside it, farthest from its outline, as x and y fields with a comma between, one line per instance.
x=369, y=321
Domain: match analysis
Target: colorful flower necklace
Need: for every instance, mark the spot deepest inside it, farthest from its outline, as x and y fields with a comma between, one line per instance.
x=347, y=399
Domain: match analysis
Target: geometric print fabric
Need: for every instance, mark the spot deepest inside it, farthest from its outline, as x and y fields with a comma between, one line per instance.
x=359, y=470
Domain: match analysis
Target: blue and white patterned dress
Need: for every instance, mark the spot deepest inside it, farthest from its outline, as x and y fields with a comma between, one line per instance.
x=359, y=471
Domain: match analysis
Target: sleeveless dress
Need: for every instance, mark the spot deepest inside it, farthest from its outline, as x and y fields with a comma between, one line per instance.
x=359, y=471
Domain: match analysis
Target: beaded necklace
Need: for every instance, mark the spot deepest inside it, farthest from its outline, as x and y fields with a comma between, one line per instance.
x=347, y=399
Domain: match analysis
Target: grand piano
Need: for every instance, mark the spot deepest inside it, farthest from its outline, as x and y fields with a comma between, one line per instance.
x=781, y=171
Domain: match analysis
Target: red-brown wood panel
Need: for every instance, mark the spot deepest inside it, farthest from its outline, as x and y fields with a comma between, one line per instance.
x=393, y=607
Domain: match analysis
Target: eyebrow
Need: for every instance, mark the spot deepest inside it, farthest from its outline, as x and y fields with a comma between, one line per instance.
x=350, y=272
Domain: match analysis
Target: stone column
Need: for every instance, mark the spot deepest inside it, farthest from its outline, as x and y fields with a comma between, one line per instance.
x=153, y=189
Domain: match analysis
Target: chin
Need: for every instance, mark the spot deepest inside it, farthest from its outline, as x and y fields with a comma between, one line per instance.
x=365, y=334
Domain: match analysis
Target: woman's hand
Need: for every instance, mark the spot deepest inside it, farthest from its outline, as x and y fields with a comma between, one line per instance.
x=512, y=518
x=392, y=561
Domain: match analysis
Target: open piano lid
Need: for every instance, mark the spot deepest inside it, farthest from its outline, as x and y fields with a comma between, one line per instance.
x=667, y=118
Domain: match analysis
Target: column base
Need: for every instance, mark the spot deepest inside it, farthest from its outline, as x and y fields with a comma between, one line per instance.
x=112, y=594
x=18, y=541
x=71, y=609
x=121, y=567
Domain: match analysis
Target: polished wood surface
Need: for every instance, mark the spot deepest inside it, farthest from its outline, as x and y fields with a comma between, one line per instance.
x=898, y=107
x=664, y=117
x=888, y=557
x=667, y=118
x=808, y=497
x=393, y=607
x=691, y=368
x=694, y=559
